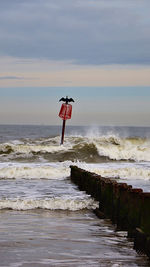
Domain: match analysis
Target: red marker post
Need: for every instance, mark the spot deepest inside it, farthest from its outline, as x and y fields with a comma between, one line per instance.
x=65, y=114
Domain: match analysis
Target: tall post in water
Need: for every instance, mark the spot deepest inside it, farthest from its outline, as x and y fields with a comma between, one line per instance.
x=65, y=114
x=63, y=132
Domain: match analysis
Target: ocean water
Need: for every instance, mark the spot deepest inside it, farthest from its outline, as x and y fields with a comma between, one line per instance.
x=45, y=219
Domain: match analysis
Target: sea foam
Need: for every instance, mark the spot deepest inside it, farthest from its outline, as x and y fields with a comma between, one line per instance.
x=33, y=171
x=50, y=204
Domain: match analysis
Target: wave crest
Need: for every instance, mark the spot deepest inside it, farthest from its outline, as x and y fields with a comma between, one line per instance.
x=88, y=149
x=49, y=204
x=123, y=173
x=135, y=149
x=34, y=172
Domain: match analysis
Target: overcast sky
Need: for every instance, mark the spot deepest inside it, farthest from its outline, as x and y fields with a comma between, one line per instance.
x=97, y=51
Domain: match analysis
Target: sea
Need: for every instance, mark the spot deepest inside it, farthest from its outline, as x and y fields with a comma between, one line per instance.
x=45, y=220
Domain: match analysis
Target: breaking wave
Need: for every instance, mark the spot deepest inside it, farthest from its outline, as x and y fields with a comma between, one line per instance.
x=61, y=171
x=49, y=204
x=88, y=149
x=136, y=149
x=123, y=173
x=27, y=171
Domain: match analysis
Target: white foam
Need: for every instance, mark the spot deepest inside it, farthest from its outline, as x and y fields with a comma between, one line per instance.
x=33, y=171
x=61, y=170
x=111, y=146
x=124, y=171
x=50, y=204
x=29, y=148
x=115, y=147
x=123, y=149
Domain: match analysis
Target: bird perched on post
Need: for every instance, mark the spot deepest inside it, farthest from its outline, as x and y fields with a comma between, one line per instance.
x=67, y=100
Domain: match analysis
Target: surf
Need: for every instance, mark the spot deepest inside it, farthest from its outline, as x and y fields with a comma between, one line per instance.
x=55, y=203
x=82, y=148
x=33, y=171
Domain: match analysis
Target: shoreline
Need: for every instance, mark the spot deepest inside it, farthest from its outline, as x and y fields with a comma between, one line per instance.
x=127, y=207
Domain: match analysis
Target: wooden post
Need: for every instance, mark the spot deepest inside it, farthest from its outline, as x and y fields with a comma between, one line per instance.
x=63, y=131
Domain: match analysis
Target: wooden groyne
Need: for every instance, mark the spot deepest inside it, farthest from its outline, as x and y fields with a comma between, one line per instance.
x=127, y=207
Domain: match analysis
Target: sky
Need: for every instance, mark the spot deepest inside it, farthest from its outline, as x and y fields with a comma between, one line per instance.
x=96, y=51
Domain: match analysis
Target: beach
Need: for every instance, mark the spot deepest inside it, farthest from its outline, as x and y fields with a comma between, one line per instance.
x=45, y=219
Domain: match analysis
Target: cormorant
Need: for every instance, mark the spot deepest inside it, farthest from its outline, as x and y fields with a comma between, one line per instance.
x=66, y=99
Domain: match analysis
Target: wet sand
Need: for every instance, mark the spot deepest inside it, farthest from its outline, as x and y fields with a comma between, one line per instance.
x=63, y=238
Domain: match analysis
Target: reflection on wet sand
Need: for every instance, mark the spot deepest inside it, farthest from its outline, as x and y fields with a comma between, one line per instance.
x=63, y=238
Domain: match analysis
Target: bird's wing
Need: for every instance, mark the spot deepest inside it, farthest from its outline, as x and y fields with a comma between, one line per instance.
x=71, y=100
x=62, y=99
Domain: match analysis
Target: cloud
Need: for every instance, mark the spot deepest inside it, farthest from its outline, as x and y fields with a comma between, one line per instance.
x=84, y=32
x=11, y=78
